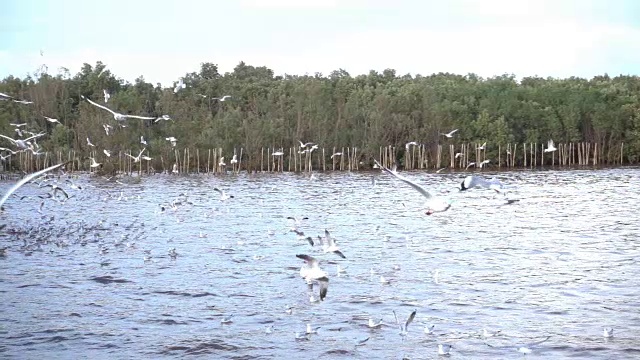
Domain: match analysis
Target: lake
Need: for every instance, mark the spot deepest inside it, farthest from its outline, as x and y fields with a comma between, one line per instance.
x=93, y=277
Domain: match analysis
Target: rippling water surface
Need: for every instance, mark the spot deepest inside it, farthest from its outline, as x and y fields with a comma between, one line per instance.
x=562, y=263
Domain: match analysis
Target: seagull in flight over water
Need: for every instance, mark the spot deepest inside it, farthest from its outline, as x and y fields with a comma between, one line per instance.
x=26, y=179
x=434, y=204
x=117, y=116
x=311, y=273
x=329, y=244
x=405, y=326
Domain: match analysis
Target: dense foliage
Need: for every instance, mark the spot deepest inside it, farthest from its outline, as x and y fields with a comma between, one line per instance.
x=366, y=111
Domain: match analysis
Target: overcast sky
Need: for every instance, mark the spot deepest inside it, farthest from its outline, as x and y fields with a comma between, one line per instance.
x=162, y=40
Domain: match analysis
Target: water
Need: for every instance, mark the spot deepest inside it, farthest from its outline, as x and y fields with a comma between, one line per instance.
x=561, y=263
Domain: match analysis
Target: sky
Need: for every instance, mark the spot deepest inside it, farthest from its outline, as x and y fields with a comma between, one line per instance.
x=163, y=40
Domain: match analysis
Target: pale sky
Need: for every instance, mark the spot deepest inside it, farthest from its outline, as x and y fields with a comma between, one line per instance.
x=163, y=40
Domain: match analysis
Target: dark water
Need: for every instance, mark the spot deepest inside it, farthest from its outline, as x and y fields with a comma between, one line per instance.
x=561, y=263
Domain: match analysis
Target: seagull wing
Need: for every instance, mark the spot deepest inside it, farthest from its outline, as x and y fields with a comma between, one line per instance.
x=324, y=286
x=410, y=319
x=139, y=117
x=34, y=137
x=141, y=151
x=396, y=317
x=453, y=132
x=8, y=138
x=309, y=259
x=100, y=106
x=330, y=241
x=419, y=188
x=28, y=178
x=218, y=190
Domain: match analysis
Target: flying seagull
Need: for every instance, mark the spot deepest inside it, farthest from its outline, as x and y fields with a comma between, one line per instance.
x=23, y=144
x=51, y=120
x=137, y=158
x=404, y=327
x=472, y=181
x=434, y=204
x=450, y=134
x=550, y=147
x=118, y=116
x=222, y=98
x=106, y=95
x=329, y=244
x=28, y=178
x=311, y=272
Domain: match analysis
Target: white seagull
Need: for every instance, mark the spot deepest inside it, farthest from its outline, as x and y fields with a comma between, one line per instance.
x=223, y=195
x=550, y=147
x=137, y=158
x=450, y=134
x=302, y=146
x=222, y=98
x=23, y=144
x=234, y=160
x=481, y=147
x=336, y=154
x=179, y=86
x=118, y=116
x=434, y=204
x=311, y=273
x=163, y=117
x=25, y=180
x=329, y=244
x=374, y=325
x=444, y=349
x=606, y=332
x=414, y=143
x=173, y=140
x=51, y=120
x=106, y=95
x=142, y=140
x=404, y=327
x=107, y=152
x=89, y=142
x=18, y=125
x=94, y=164
x=472, y=181
x=106, y=128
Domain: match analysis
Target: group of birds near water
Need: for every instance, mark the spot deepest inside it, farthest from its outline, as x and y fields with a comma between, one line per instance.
x=311, y=271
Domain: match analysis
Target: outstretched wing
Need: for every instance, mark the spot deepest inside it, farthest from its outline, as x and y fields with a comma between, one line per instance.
x=28, y=178
x=410, y=319
x=98, y=105
x=139, y=117
x=419, y=188
x=309, y=259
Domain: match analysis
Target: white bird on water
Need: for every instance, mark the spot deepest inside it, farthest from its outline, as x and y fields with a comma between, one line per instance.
x=374, y=325
x=434, y=204
x=607, y=332
x=472, y=181
x=550, y=147
x=449, y=134
x=117, y=116
x=311, y=273
x=223, y=195
x=25, y=180
x=444, y=349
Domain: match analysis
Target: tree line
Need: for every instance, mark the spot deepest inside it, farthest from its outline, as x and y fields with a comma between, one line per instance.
x=334, y=110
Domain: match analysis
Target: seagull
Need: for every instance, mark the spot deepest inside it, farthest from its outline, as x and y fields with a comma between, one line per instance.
x=24, y=102
x=18, y=125
x=302, y=146
x=94, y=164
x=444, y=349
x=336, y=154
x=203, y=96
x=163, y=117
x=145, y=157
x=484, y=162
x=26, y=179
x=311, y=272
x=450, y=134
x=486, y=334
x=226, y=320
x=404, y=327
x=410, y=143
x=482, y=146
x=458, y=155
x=606, y=332
x=6, y=96
x=428, y=329
x=297, y=220
x=311, y=330
x=107, y=152
x=117, y=116
x=173, y=140
x=434, y=204
x=222, y=98
x=142, y=140
x=374, y=325
x=89, y=142
x=234, y=160
x=221, y=162
x=106, y=128
x=329, y=244
x=550, y=147
x=277, y=153
x=526, y=349
x=137, y=158
x=179, y=86
x=51, y=120
x=106, y=95
x=223, y=195
x=470, y=165
x=23, y=144
x=473, y=181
